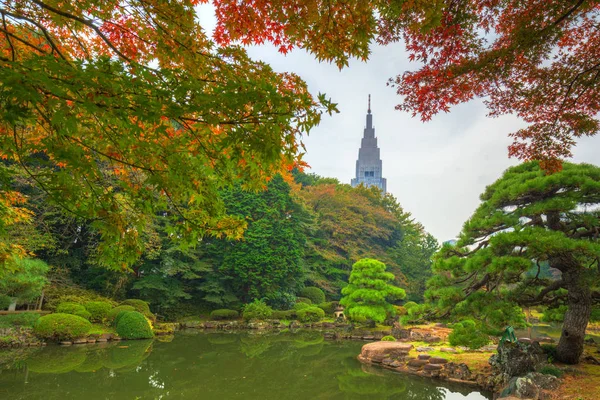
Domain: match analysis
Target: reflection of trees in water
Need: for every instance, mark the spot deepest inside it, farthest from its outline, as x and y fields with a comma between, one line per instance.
x=217, y=366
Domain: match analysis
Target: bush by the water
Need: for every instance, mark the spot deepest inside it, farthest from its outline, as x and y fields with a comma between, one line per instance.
x=118, y=317
x=301, y=306
x=112, y=314
x=467, y=333
x=329, y=307
x=98, y=310
x=55, y=295
x=74, y=309
x=310, y=314
x=19, y=319
x=303, y=300
x=139, y=305
x=388, y=338
x=224, y=314
x=134, y=325
x=5, y=301
x=285, y=315
x=257, y=310
x=61, y=326
x=316, y=295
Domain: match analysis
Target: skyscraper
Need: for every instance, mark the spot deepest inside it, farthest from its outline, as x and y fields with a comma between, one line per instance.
x=368, y=165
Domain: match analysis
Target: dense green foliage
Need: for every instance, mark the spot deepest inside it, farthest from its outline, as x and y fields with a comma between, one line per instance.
x=310, y=314
x=112, y=314
x=369, y=293
x=139, y=305
x=26, y=279
x=467, y=333
x=98, y=310
x=73, y=309
x=224, y=313
x=257, y=310
x=285, y=315
x=61, y=327
x=527, y=218
x=134, y=325
x=5, y=301
x=329, y=307
x=20, y=319
x=316, y=295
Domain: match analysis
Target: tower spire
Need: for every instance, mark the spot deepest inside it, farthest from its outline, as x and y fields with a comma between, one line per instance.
x=369, y=109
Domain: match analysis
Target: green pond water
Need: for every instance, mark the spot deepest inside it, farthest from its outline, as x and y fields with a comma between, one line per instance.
x=224, y=366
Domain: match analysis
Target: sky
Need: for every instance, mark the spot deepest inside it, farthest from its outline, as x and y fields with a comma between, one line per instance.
x=436, y=169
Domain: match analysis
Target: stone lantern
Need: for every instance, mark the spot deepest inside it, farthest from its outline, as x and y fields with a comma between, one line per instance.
x=339, y=312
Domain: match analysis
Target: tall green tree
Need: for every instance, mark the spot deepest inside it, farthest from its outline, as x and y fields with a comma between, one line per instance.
x=527, y=218
x=369, y=294
x=26, y=281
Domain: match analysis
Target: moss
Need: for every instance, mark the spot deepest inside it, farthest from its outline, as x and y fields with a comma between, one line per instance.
x=134, y=325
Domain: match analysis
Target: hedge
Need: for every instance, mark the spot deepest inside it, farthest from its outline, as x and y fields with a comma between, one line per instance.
x=310, y=314
x=134, y=325
x=98, y=309
x=224, y=314
x=74, y=309
x=61, y=327
x=316, y=295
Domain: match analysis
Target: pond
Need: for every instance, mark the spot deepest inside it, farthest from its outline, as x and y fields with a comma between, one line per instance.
x=224, y=366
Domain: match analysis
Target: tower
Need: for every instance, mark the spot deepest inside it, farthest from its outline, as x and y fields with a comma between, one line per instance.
x=368, y=165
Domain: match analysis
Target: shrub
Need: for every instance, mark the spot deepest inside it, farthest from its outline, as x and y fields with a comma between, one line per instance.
x=329, y=307
x=388, y=338
x=310, y=314
x=20, y=319
x=302, y=306
x=74, y=309
x=401, y=310
x=112, y=314
x=409, y=304
x=118, y=317
x=467, y=333
x=257, y=310
x=287, y=315
x=61, y=326
x=224, y=314
x=5, y=301
x=551, y=370
x=139, y=305
x=55, y=295
x=303, y=300
x=316, y=295
x=134, y=325
x=280, y=300
x=98, y=310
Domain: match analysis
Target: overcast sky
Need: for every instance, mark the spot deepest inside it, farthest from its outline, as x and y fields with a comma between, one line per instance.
x=436, y=170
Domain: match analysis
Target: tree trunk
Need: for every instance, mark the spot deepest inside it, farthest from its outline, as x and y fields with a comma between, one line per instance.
x=579, y=309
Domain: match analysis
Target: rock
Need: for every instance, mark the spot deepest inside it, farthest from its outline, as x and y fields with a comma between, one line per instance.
x=544, y=339
x=91, y=340
x=457, y=371
x=432, y=367
x=517, y=359
x=368, y=337
x=101, y=340
x=424, y=357
x=44, y=344
x=378, y=358
x=328, y=325
x=387, y=361
x=448, y=350
x=116, y=339
x=544, y=381
x=438, y=360
x=398, y=332
x=417, y=363
x=80, y=341
x=106, y=336
x=396, y=364
x=526, y=389
x=424, y=349
x=386, y=349
x=66, y=343
x=432, y=339
x=524, y=340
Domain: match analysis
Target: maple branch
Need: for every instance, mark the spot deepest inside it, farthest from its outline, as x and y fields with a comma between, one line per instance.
x=568, y=13
x=12, y=48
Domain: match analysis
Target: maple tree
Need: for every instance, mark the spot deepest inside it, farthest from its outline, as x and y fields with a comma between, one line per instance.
x=527, y=218
x=534, y=59
x=120, y=110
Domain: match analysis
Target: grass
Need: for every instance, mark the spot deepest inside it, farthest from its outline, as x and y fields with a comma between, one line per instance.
x=99, y=329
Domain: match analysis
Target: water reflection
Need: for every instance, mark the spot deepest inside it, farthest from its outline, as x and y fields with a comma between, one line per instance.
x=212, y=366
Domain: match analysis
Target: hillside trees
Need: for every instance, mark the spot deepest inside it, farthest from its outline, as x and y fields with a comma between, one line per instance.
x=527, y=218
x=535, y=59
x=121, y=110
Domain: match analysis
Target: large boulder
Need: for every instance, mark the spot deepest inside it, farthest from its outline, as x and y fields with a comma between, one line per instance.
x=517, y=359
x=385, y=349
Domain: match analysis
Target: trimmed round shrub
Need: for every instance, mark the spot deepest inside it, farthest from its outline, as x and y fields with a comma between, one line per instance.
x=329, y=307
x=303, y=300
x=5, y=301
x=98, y=310
x=287, y=315
x=316, y=295
x=134, y=325
x=112, y=314
x=257, y=310
x=388, y=338
x=74, y=309
x=409, y=304
x=302, y=306
x=224, y=314
x=61, y=327
x=139, y=305
x=119, y=316
x=310, y=314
